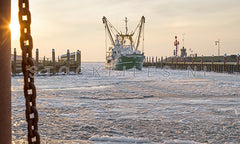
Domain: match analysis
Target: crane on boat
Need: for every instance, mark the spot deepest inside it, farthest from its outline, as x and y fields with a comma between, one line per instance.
x=113, y=32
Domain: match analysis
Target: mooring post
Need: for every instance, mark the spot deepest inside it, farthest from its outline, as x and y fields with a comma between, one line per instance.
x=152, y=61
x=44, y=60
x=192, y=60
x=224, y=62
x=68, y=61
x=156, y=61
x=37, y=60
x=202, y=62
x=5, y=72
x=14, y=62
x=212, y=63
x=184, y=62
x=79, y=60
x=162, y=62
x=176, y=60
x=238, y=63
x=54, y=62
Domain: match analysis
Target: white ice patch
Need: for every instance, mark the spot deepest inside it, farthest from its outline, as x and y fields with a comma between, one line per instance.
x=180, y=142
x=118, y=140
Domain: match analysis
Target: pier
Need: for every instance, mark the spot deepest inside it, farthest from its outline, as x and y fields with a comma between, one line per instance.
x=227, y=64
x=64, y=64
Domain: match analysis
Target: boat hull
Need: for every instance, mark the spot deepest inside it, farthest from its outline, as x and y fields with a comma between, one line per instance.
x=126, y=62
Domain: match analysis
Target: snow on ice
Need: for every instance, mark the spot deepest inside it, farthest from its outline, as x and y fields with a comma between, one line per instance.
x=149, y=106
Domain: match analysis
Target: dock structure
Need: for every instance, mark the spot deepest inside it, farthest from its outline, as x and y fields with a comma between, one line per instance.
x=66, y=63
x=228, y=64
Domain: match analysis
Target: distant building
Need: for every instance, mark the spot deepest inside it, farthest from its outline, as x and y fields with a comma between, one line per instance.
x=183, y=52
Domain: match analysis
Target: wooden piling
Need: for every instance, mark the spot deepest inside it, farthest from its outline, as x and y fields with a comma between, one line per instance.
x=54, y=62
x=184, y=62
x=68, y=61
x=37, y=60
x=5, y=72
x=224, y=62
x=238, y=70
x=79, y=60
x=212, y=69
x=192, y=60
x=44, y=60
x=162, y=62
x=14, y=62
x=176, y=60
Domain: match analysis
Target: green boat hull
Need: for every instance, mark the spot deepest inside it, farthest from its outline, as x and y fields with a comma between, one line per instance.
x=126, y=62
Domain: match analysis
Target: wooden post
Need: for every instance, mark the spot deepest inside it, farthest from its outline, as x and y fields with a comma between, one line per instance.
x=176, y=60
x=44, y=60
x=5, y=72
x=202, y=62
x=224, y=62
x=54, y=62
x=37, y=60
x=68, y=61
x=152, y=61
x=79, y=59
x=192, y=59
x=162, y=62
x=14, y=62
x=212, y=63
x=166, y=59
x=238, y=63
x=184, y=62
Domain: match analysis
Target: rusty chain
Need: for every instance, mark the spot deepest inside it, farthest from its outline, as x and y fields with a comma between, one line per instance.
x=24, y=16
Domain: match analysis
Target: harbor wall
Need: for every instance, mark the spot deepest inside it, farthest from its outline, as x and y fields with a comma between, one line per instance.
x=228, y=64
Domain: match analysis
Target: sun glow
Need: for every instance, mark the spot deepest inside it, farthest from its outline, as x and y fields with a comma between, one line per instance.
x=14, y=26
x=15, y=30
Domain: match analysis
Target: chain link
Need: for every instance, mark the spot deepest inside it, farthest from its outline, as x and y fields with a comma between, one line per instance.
x=27, y=62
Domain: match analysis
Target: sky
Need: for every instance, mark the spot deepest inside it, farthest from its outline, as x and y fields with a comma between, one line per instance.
x=77, y=25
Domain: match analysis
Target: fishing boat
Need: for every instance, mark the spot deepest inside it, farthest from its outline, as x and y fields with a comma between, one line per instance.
x=123, y=51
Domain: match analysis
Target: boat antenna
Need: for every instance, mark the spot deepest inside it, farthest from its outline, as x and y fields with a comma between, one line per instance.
x=126, y=24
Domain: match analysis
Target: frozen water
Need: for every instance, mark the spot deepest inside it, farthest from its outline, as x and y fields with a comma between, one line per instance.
x=148, y=106
x=117, y=140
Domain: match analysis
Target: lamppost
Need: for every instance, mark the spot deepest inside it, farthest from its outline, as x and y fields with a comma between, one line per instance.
x=218, y=44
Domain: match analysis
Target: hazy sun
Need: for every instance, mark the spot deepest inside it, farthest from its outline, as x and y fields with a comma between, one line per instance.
x=14, y=26
x=15, y=30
